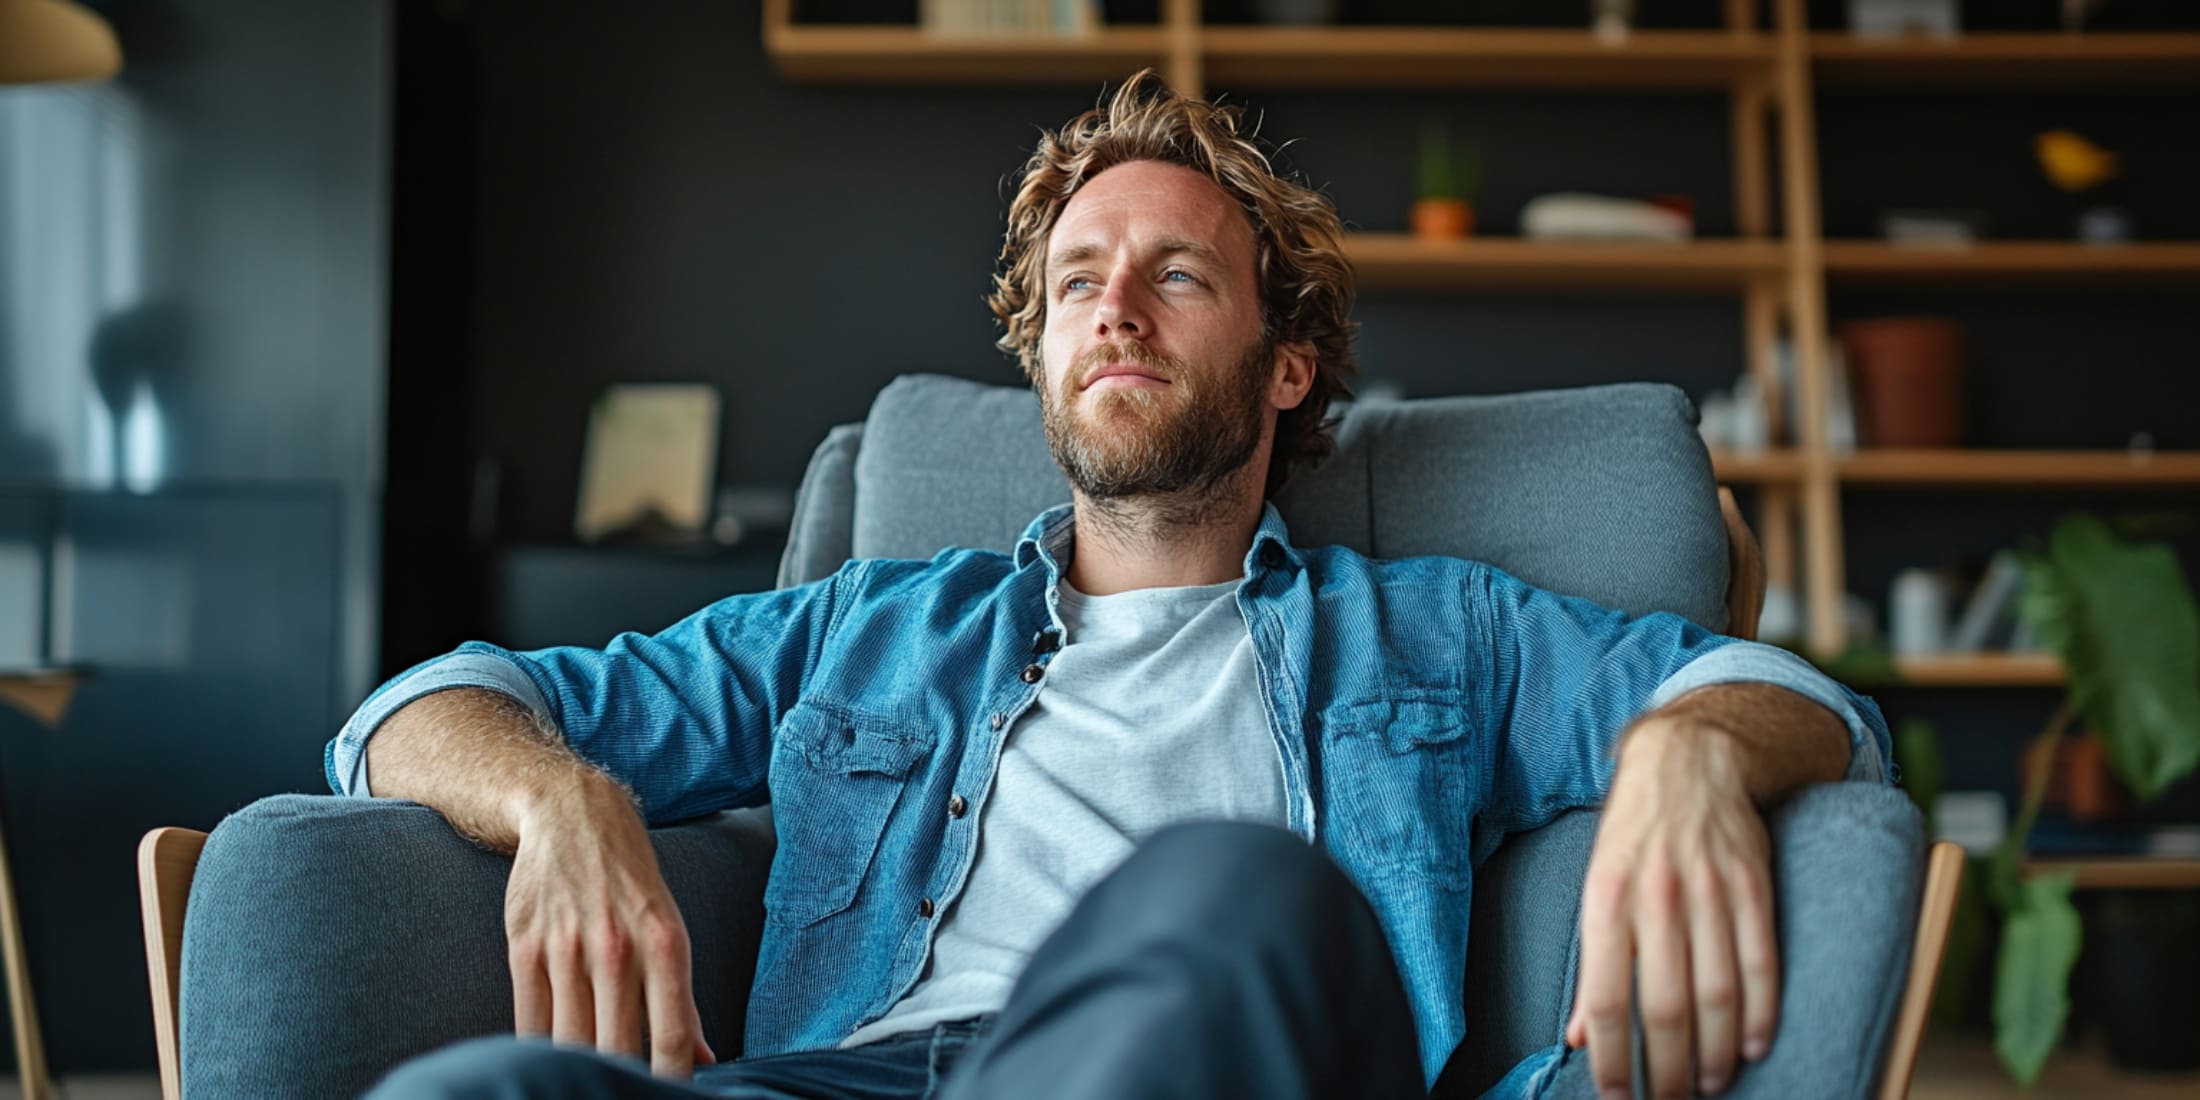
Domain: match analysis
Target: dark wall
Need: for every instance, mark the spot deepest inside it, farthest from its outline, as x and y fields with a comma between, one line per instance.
x=655, y=203
x=191, y=373
x=651, y=201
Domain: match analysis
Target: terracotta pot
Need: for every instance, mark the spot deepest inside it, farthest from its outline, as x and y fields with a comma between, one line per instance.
x=1908, y=376
x=1442, y=219
x=2081, y=783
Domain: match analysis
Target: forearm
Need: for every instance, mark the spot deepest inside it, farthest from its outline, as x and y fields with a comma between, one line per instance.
x=485, y=762
x=1773, y=740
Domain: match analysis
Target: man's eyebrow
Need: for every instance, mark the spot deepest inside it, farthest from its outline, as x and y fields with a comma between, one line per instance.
x=1167, y=246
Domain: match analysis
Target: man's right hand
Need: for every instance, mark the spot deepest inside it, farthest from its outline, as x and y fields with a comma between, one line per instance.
x=599, y=953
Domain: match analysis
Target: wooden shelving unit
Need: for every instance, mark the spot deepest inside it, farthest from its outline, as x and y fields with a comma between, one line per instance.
x=909, y=55
x=2014, y=263
x=1776, y=468
x=1981, y=670
x=2016, y=60
x=1779, y=268
x=1439, y=57
x=1984, y=469
x=2124, y=872
x=1400, y=261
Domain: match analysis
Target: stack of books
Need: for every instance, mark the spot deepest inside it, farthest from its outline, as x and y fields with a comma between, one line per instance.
x=1989, y=623
x=1010, y=16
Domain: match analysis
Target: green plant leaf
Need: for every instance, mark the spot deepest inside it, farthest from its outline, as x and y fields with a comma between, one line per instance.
x=2122, y=617
x=1439, y=176
x=2039, y=944
x=1917, y=753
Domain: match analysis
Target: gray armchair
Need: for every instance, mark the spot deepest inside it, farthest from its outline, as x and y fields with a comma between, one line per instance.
x=316, y=945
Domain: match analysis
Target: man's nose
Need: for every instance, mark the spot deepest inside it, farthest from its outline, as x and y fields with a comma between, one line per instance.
x=1124, y=311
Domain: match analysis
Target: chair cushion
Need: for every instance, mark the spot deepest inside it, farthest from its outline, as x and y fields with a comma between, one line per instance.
x=1560, y=488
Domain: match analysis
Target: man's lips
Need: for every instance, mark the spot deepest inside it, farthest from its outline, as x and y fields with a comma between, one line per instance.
x=1123, y=376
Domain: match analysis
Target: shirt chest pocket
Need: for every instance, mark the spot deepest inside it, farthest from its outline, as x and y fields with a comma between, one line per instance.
x=836, y=776
x=1402, y=779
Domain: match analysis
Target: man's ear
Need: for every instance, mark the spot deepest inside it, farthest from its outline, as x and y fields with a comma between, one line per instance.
x=1293, y=375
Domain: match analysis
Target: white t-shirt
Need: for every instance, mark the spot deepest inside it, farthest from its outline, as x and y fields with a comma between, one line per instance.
x=1148, y=717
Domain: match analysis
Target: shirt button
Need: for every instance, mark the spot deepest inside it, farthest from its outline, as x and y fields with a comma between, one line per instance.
x=999, y=720
x=924, y=908
x=956, y=807
x=1032, y=673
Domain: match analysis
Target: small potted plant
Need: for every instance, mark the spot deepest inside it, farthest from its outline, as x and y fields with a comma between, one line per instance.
x=2121, y=616
x=1444, y=208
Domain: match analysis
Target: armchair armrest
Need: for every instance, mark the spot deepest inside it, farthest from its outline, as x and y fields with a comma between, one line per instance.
x=328, y=939
x=1848, y=871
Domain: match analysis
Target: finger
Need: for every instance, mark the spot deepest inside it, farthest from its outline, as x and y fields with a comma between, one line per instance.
x=675, y=1029
x=1757, y=951
x=1717, y=984
x=1661, y=958
x=1605, y=995
x=618, y=999
x=572, y=1007
x=530, y=990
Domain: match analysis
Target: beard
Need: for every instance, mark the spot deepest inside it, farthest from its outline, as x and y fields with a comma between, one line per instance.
x=1185, y=441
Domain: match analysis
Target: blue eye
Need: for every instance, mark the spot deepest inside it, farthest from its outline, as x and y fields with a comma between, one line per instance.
x=1075, y=283
x=1188, y=276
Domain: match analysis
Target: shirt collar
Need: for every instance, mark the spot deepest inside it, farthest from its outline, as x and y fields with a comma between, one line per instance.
x=1050, y=538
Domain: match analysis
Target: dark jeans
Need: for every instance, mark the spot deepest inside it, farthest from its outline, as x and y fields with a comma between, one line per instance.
x=1219, y=960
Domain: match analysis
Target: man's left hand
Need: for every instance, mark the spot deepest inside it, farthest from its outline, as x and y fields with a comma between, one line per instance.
x=1679, y=893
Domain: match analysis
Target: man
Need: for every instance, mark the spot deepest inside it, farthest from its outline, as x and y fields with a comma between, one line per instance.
x=983, y=768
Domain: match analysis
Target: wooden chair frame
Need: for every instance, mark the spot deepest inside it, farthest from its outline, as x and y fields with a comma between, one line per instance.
x=167, y=858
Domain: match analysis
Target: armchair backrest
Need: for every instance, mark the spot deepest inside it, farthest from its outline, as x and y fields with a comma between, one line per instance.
x=1604, y=492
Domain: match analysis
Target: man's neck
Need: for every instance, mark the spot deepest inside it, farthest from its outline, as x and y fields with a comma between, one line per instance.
x=1151, y=542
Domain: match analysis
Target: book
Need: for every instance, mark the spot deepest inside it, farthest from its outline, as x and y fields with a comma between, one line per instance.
x=1989, y=619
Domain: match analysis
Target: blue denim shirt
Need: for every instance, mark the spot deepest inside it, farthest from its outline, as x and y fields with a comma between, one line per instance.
x=1423, y=709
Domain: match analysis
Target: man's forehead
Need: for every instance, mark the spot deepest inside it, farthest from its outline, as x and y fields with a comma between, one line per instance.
x=1149, y=206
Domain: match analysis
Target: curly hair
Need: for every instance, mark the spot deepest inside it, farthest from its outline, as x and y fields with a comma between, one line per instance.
x=1306, y=283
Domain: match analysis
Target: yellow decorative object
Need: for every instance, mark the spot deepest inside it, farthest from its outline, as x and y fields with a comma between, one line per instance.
x=50, y=40
x=2073, y=163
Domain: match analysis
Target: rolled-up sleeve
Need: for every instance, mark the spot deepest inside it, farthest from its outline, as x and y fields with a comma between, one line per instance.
x=473, y=665
x=1870, y=744
x=682, y=717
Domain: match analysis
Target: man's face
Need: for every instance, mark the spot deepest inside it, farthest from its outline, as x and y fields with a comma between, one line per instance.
x=1156, y=376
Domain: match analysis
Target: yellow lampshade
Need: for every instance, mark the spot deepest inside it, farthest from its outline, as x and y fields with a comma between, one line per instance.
x=42, y=40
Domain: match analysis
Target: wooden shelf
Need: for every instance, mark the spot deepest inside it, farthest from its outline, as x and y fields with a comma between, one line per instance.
x=2010, y=60
x=912, y=55
x=1440, y=57
x=1998, y=263
x=1756, y=467
x=1980, y=670
x=2124, y=872
x=1984, y=469
x=1400, y=261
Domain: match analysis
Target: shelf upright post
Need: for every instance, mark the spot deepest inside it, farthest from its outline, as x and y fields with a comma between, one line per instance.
x=1748, y=100
x=1186, y=72
x=1806, y=302
x=778, y=15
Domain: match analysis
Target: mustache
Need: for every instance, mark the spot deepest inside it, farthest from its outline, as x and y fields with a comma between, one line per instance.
x=1144, y=358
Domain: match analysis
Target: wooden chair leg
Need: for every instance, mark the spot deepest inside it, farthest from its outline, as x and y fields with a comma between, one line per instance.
x=167, y=858
x=1943, y=878
x=30, y=1048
